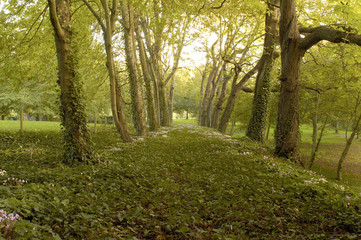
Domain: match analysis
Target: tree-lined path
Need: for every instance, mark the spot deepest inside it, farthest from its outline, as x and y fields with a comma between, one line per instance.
x=180, y=182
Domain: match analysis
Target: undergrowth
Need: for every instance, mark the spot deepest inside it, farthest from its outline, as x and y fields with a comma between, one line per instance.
x=184, y=182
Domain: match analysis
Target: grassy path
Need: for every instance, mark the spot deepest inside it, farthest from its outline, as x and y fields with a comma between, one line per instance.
x=183, y=182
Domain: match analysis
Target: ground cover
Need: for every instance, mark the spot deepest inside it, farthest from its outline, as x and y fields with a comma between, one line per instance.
x=183, y=182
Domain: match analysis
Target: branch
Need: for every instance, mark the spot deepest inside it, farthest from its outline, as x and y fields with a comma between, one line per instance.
x=318, y=34
x=32, y=25
x=55, y=20
x=272, y=4
x=113, y=14
x=96, y=15
x=220, y=5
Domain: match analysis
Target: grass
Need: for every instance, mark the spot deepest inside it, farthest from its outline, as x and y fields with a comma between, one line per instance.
x=13, y=126
x=183, y=182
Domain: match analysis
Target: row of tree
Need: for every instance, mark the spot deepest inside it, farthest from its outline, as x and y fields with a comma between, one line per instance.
x=96, y=41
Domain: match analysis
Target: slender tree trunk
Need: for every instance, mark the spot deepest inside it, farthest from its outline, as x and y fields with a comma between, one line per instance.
x=171, y=99
x=22, y=118
x=116, y=99
x=95, y=121
x=257, y=123
x=315, y=150
x=204, y=76
x=215, y=83
x=221, y=99
x=268, y=129
x=135, y=85
x=347, y=148
x=153, y=124
x=207, y=95
x=222, y=127
x=76, y=134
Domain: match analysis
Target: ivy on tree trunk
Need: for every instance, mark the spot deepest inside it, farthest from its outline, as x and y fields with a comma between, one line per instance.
x=75, y=131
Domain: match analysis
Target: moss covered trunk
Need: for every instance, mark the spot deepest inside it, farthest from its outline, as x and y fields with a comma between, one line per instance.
x=257, y=123
x=135, y=85
x=76, y=135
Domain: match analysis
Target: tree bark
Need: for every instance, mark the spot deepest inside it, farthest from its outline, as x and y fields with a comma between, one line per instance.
x=204, y=76
x=317, y=144
x=170, y=102
x=207, y=95
x=347, y=148
x=287, y=132
x=257, y=123
x=221, y=99
x=22, y=118
x=135, y=86
x=236, y=88
x=116, y=99
x=153, y=124
x=76, y=135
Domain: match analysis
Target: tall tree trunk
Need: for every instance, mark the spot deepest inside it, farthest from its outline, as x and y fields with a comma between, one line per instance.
x=235, y=89
x=153, y=124
x=287, y=132
x=171, y=99
x=76, y=134
x=347, y=148
x=207, y=95
x=204, y=76
x=317, y=144
x=257, y=123
x=209, y=109
x=95, y=121
x=222, y=127
x=22, y=118
x=135, y=85
x=116, y=99
x=164, y=115
x=221, y=99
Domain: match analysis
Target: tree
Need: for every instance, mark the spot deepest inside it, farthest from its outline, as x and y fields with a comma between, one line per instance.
x=293, y=48
x=107, y=24
x=257, y=123
x=134, y=78
x=76, y=136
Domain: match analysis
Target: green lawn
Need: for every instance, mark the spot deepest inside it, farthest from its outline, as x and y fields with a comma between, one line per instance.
x=182, y=182
x=12, y=126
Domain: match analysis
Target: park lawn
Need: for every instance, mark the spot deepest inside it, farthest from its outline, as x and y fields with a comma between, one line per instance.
x=13, y=126
x=182, y=182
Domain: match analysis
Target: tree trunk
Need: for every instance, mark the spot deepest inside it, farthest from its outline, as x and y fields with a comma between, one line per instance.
x=221, y=99
x=211, y=97
x=135, y=85
x=257, y=123
x=222, y=127
x=207, y=95
x=287, y=132
x=153, y=124
x=164, y=116
x=95, y=121
x=22, y=118
x=116, y=99
x=171, y=99
x=204, y=76
x=315, y=149
x=76, y=134
x=347, y=148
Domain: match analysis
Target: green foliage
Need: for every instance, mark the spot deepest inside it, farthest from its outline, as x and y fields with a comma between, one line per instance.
x=184, y=182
